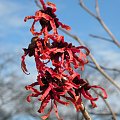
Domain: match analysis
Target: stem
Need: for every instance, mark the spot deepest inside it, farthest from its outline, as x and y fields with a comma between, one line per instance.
x=85, y=113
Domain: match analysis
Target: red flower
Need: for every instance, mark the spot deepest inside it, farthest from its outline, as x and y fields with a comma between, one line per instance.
x=59, y=83
x=47, y=19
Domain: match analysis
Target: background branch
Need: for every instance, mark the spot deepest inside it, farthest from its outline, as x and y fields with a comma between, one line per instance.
x=95, y=113
x=37, y=4
x=97, y=17
x=91, y=64
x=107, y=104
x=99, y=37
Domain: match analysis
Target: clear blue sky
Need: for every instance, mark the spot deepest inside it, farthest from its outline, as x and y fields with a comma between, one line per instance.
x=15, y=34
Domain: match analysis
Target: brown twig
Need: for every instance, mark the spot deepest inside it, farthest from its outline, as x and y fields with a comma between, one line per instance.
x=97, y=16
x=93, y=59
x=85, y=113
x=107, y=104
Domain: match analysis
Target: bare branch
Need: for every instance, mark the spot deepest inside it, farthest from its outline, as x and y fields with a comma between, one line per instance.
x=85, y=113
x=102, y=38
x=37, y=4
x=107, y=104
x=100, y=21
x=97, y=8
x=95, y=113
x=93, y=59
x=109, y=32
x=86, y=9
x=104, y=68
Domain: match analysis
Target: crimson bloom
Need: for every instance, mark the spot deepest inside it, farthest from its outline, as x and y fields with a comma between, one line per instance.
x=59, y=83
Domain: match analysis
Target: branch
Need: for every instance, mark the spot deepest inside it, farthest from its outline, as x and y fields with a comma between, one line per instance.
x=94, y=113
x=102, y=38
x=104, y=68
x=37, y=4
x=85, y=113
x=97, y=8
x=93, y=59
x=97, y=17
x=86, y=9
x=107, y=104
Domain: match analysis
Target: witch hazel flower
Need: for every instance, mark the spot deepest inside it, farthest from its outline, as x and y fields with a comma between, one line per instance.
x=59, y=83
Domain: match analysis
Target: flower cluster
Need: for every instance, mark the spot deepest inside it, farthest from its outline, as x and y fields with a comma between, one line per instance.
x=59, y=83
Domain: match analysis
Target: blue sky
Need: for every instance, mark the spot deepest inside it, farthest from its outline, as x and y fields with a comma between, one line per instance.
x=15, y=34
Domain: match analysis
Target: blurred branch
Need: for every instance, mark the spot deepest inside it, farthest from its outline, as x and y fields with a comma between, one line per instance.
x=85, y=113
x=93, y=59
x=102, y=38
x=97, y=17
x=97, y=8
x=37, y=4
x=104, y=68
x=94, y=113
x=107, y=104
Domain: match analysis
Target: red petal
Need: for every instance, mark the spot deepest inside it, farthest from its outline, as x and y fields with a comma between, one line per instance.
x=72, y=85
x=29, y=17
x=86, y=95
x=31, y=95
x=44, y=104
x=23, y=65
x=72, y=93
x=52, y=5
x=70, y=55
x=45, y=93
x=73, y=101
x=47, y=115
x=64, y=26
x=78, y=103
x=32, y=89
x=91, y=96
x=56, y=111
x=43, y=4
x=40, y=81
x=29, y=98
x=83, y=47
x=103, y=90
x=60, y=101
x=93, y=104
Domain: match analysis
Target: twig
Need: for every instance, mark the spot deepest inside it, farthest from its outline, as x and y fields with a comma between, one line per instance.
x=94, y=113
x=37, y=4
x=102, y=38
x=85, y=113
x=107, y=104
x=97, y=16
x=93, y=59
x=77, y=116
x=104, y=68
x=97, y=8
x=86, y=9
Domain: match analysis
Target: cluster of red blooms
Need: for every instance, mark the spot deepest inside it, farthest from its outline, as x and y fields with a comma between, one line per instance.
x=60, y=83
